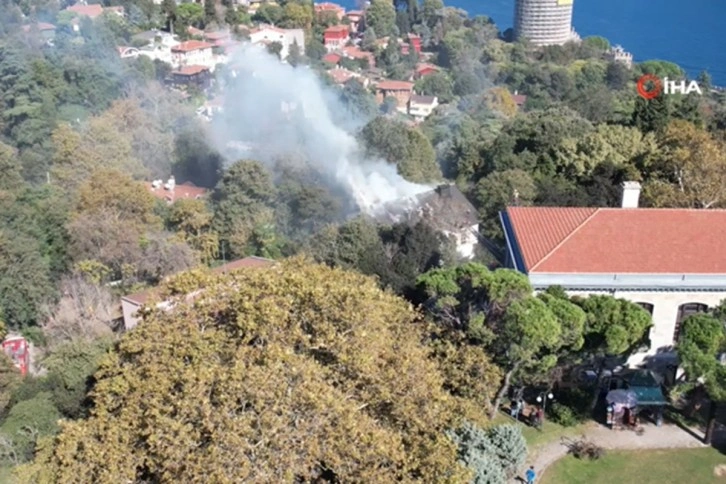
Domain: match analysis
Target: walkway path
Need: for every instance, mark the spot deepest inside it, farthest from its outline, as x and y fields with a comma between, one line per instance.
x=666, y=437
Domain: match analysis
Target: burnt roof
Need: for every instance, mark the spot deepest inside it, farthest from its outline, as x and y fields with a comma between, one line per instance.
x=445, y=208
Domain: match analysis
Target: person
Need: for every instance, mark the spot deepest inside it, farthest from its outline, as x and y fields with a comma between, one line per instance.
x=530, y=475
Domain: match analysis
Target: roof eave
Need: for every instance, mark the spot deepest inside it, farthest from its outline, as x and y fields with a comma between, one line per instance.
x=629, y=281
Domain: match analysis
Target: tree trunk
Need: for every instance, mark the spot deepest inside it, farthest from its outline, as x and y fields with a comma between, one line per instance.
x=503, y=390
x=711, y=425
x=596, y=392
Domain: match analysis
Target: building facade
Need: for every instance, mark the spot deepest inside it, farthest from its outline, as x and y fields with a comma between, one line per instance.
x=400, y=90
x=286, y=38
x=671, y=262
x=193, y=52
x=543, y=22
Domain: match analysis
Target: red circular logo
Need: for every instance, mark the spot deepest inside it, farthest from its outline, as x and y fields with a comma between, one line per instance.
x=655, y=86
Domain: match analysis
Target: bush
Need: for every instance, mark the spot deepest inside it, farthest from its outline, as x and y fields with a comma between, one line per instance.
x=29, y=420
x=494, y=455
x=562, y=415
x=508, y=445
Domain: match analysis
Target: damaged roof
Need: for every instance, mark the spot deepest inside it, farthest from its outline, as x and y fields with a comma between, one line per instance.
x=444, y=208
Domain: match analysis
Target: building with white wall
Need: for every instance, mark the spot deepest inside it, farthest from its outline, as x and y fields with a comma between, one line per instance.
x=544, y=22
x=286, y=37
x=672, y=262
x=193, y=53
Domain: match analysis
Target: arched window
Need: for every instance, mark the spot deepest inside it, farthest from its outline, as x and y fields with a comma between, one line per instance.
x=685, y=310
x=647, y=306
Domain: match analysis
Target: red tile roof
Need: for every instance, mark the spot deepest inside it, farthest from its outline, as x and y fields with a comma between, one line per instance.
x=335, y=29
x=395, y=86
x=183, y=190
x=519, y=99
x=191, y=70
x=191, y=45
x=92, y=11
x=426, y=67
x=620, y=240
x=340, y=76
x=215, y=36
x=332, y=58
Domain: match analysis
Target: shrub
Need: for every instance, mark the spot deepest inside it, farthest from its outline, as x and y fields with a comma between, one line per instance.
x=494, y=455
x=562, y=415
x=508, y=444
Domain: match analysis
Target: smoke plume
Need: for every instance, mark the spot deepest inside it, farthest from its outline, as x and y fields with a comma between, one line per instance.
x=272, y=110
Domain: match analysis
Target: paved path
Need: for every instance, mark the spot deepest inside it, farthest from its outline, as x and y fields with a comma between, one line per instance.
x=668, y=436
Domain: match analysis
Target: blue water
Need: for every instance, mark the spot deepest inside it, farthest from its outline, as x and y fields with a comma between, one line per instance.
x=690, y=33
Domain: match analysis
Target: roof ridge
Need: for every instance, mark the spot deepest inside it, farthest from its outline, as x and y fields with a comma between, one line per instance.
x=563, y=241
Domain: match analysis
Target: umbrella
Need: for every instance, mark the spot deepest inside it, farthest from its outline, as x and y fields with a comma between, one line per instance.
x=627, y=398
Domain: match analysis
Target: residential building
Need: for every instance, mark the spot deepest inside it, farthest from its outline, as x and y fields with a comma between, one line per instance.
x=420, y=107
x=543, y=22
x=672, y=262
x=400, y=90
x=424, y=69
x=18, y=350
x=45, y=30
x=445, y=209
x=519, y=99
x=132, y=303
x=355, y=52
x=355, y=17
x=193, y=52
x=332, y=58
x=171, y=192
x=618, y=54
x=340, y=76
x=82, y=10
x=336, y=37
x=332, y=8
x=415, y=42
x=187, y=76
x=286, y=37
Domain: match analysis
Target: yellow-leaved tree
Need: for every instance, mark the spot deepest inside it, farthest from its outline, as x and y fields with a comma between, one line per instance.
x=293, y=373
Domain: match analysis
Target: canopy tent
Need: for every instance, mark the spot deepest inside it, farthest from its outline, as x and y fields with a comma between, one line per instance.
x=646, y=386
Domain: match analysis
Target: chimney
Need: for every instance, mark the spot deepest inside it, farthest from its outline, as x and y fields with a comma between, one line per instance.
x=631, y=194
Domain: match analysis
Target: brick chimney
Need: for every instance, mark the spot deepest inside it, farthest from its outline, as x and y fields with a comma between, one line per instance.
x=631, y=194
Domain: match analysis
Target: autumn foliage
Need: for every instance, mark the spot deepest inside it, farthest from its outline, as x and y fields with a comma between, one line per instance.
x=296, y=373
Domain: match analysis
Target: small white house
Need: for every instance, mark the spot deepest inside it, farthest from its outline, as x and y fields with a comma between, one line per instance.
x=421, y=107
x=286, y=37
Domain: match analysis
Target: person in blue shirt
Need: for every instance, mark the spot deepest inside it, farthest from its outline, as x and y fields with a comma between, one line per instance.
x=530, y=475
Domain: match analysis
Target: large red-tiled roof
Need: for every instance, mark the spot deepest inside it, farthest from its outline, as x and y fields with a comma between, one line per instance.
x=619, y=240
x=191, y=45
x=182, y=190
x=92, y=11
x=191, y=70
x=395, y=86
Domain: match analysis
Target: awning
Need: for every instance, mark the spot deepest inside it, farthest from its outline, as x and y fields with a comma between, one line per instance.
x=649, y=395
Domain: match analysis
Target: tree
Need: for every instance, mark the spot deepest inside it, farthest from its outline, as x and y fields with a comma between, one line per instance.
x=301, y=353
x=193, y=218
x=437, y=84
x=699, y=348
x=243, y=201
x=381, y=17
x=613, y=328
x=29, y=420
x=210, y=11
x=404, y=145
x=496, y=191
x=10, y=169
x=294, y=56
x=274, y=48
x=494, y=455
x=651, y=115
x=499, y=99
x=693, y=165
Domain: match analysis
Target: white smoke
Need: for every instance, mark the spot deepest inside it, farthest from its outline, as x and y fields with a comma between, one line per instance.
x=276, y=110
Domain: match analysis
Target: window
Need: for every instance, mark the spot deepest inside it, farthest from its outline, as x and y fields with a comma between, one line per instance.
x=647, y=306
x=685, y=310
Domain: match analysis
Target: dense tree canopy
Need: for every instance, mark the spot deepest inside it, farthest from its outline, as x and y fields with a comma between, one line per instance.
x=263, y=361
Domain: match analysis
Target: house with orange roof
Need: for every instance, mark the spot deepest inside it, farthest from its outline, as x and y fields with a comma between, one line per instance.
x=186, y=76
x=400, y=90
x=171, y=191
x=193, y=52
x=424, y=69
x=355, y=17
x=672, y=262
x=355, y=52
x=336, y=36
x=132, y=305
x=333, y=8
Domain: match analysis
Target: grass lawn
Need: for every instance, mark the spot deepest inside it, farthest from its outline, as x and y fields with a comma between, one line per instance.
x=677, y=466
x=550, y=431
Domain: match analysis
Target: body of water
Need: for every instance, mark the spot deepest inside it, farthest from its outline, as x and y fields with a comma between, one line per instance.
x=690, y=33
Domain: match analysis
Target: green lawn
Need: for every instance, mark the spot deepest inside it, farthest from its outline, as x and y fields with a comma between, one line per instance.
x=641, y=467
x=535, y=438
